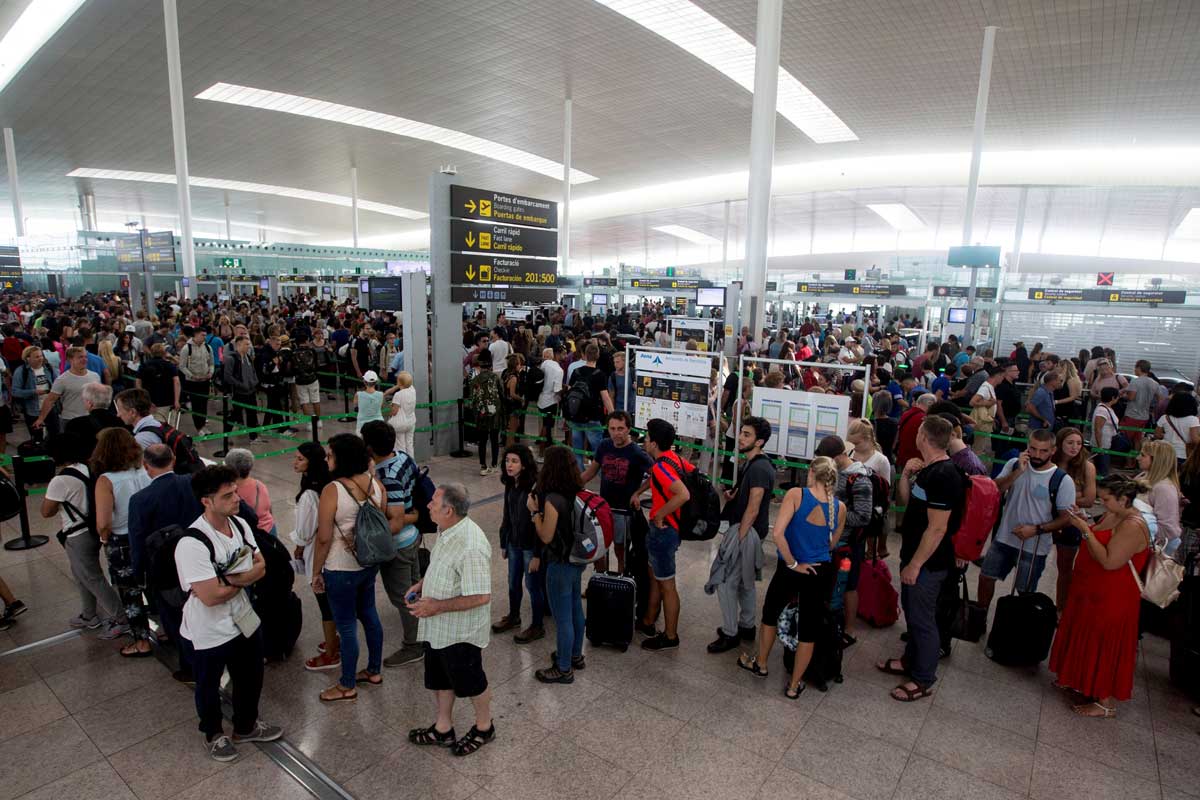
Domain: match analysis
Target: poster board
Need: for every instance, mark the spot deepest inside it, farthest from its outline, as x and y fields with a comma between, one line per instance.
x=675, y=388
x=689, y=328
x=799, y=420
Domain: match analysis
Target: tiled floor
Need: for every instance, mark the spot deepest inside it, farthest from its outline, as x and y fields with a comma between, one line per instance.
x=81, y=722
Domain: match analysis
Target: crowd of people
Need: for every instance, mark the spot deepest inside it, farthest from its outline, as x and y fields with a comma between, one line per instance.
x=97, y=386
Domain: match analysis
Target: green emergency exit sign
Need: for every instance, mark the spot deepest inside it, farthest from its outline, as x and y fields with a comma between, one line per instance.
x=229, y=263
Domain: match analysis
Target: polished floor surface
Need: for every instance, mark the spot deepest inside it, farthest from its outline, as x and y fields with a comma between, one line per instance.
x=81, y=722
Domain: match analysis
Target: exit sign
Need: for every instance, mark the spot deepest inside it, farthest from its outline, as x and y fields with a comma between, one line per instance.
x=670, y=272
x=229, y=263
x=851, y=275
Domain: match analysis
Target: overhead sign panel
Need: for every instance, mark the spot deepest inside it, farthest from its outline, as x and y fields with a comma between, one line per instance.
x=666, y=283
x=861, y=289
x=1056, y=294
x=469, y=269
x=981, y=292
x=11, y=277
x=491, y=206
x=504, y=239
x=599, y=281
x=384, y=292
x=973, y=256
x=158, y=250
x=512, y=294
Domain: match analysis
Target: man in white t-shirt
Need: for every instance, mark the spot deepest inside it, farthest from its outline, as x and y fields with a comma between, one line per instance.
x=547, y=402
x=218, y=619
x=67, y=496
x=500, y=350
x=986, y=410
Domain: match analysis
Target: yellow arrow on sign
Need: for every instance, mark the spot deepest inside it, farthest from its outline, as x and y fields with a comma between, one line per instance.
x=470, y=272
x=470, y=239
x=469, y=206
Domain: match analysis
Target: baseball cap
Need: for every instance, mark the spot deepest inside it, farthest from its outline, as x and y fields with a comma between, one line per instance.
x=370, y=376
x=130, y=329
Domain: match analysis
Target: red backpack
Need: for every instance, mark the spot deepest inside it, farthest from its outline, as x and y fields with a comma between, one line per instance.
x=981, y=508
x=593, y=528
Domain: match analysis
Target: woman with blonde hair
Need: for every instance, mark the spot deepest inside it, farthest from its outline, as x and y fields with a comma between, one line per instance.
x=1066, y=397
x=810, y=521
x=111, y=361
x=404, y=407
x=1159, y=503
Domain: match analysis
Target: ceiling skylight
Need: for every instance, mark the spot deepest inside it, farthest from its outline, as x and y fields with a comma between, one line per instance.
x=1189, y=228
x=689, y=27
x=40, y=20
x=898, y=215
x=377, y=121
x=244, y=186
x=688, y=234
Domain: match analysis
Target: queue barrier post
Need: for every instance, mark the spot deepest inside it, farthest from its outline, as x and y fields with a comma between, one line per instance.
x=461, y=452
x=316, y=430
x=346, y=402
x=224, y=427
x=27, y=540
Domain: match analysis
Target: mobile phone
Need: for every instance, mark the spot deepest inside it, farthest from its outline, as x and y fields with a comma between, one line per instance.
x=412, y=596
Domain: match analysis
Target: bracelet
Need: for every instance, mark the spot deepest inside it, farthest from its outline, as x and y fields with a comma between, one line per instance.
x=793, y=565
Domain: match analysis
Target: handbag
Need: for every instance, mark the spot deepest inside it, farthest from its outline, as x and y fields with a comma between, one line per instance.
x=1163, y=577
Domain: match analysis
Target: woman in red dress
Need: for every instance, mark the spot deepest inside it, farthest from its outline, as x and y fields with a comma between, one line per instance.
x=1095, y=649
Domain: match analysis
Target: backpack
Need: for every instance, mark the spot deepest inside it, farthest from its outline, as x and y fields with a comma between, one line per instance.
x=593, y=528
x=304, y=365
x=372, y=544
x=700, y=517
x=535, y=381
x=279, y=577
x=578, y=404
x=981, y=510
x=422, y=493
x=80, y=520
x=880, y=492
x=158, y=559
x=10, y=498
x=187, y=459
x=485, y=397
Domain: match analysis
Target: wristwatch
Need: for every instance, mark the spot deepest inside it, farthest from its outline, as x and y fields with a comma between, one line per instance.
x=1037, y=529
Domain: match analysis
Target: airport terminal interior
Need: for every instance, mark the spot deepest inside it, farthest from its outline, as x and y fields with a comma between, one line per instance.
x=868, y=333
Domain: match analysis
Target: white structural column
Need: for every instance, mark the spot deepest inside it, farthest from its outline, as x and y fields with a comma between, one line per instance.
x=228, y=226
x=762, y=159
x=14, y=183
x=179, y=136
x=564, y=224
x=1014, y=266
x=354, y=202
x=981, y=105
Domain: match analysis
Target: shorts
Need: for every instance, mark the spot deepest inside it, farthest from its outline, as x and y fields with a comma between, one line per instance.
x=810, y=592
x=308, y=393
x=661, y=544
x=621, y=522
x=1001, y=558
x=6, y=419
x=458, y=667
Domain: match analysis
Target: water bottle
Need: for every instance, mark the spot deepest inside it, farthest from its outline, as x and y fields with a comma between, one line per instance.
x=839, y=586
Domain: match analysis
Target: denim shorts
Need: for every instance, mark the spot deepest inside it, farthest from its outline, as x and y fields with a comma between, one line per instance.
x=621, y=518
x=1001, y=558
x=661, y=544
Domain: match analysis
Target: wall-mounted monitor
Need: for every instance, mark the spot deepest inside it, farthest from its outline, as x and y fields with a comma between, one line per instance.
x=364, y=285
x=958, y=315
x=384, y=291
x=599, y=299
x=711, y=297
x=264, y=283
x=186, y=282
x=326, y=290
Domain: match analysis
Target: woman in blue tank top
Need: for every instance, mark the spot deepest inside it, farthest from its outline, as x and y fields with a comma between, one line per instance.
x=810, y=521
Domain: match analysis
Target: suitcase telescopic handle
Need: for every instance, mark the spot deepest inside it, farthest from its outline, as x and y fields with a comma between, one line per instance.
x=1020, y=556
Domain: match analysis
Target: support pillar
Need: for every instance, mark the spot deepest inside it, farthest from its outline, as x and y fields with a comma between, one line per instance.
x=414, y=314
x=981, y=105
x=354, y=202
x=564, y=225
x=179, y=137
x=762, y=157
x=87, y=211
x=14, y=183
x=446, y=316
x=1014, y=266
x=228, y=226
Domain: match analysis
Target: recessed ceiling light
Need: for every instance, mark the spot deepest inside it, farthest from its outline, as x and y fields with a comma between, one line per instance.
x=40, y=20
x=689, y=27
x=688, y=234
x=1189, y=227
x=898, y=215
x=244, y=186
x=377, y=121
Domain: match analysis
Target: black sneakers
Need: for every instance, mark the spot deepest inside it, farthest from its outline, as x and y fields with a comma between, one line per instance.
x=660, y=642
x=646, y=630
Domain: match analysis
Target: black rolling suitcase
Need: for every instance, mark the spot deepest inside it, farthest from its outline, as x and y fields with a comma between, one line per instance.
x=1185, y=640
x=825, y=667
x=611, y=598
x=1023, y=628
x=637, y=562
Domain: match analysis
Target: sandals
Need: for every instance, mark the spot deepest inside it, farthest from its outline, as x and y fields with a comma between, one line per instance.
x=794, y=692
x=126, y=652
x=474, y=740
x=337, y=693
x=751, y=665
x=887, y=667
x=432, y=736
x=911, y=695
x=848, y=640
x=368, y=678
x=1085, y=710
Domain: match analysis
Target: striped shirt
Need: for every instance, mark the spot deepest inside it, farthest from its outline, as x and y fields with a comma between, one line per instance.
x=670, y=467
x=398, y=475
x=459, y=566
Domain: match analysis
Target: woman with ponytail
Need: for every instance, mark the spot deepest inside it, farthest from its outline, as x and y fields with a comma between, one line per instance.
x=810, y=521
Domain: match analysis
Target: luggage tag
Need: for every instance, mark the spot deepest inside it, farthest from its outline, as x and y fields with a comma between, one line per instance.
x=245, y=618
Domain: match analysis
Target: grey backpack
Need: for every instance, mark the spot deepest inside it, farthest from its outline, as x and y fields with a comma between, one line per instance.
x=372, y=543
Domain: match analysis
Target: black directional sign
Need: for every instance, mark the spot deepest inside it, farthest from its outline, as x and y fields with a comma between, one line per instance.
x=861, y=289
x=491, y=206
x=666, y=283
x=384, y=292
x=11, y=277
x=514, y=294
x=471, y=269
x=145, y=250
x=599, y=281
x=981, y=292
x=1168, y=296
x=503, y=239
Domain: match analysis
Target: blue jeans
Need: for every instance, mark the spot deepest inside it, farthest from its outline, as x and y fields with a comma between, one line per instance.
x=586, y=439
x=661, y=544
x=562, y=590
x=919, y=602
x=518, y=571
x=351, y=596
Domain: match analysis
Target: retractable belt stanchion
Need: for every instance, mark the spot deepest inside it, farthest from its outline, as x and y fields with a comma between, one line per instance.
x=461, y=452
x=316, y=430
x=224, y=427
x=27, y=541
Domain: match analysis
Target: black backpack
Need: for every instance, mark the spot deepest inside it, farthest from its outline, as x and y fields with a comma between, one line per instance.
x=700, y=516
x=162, y=576
x=279, y=577
x=80, y=520
x=187, y=459
x=422, y=493
x=535, y=381
x=10, y=498
x=578, y=404
x=304, y=365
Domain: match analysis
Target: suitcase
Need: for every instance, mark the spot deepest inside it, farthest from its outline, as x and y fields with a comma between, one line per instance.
x=611, y=598
x=39, y=471
x=825, y=667
x=282, y=619
x=637, y=562
x=1185, y=667
x=1023, y=628
x=878, y=600
x=953, y=609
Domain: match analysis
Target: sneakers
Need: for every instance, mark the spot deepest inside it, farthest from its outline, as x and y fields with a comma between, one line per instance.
x=184, y=676
x=89, y=623
x=552, y=675
x=322, y=662
x=723, y=643
x=579, y=662
x=205, y=432
x=262, y=733
x=530, y=634
x=646, y=630
x=15, y=609
x=486, y=470
x=506, y=623
x=221, y=749
x=115, y=630
x=5, y=624
x=660, y=642
x=408, y=654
